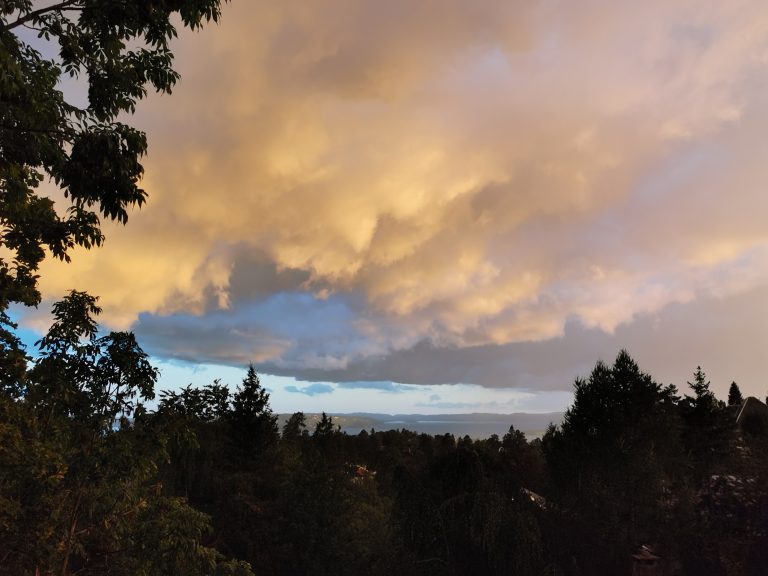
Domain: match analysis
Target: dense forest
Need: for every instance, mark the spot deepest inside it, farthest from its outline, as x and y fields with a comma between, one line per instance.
x=91, y=482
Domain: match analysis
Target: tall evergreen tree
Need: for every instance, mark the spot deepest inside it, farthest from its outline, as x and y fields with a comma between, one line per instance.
x=254, y=426
x=708, y=428
x=704, y=400
x=295, y=426
x=734, y=395
x=614, y=458
x=325, y=427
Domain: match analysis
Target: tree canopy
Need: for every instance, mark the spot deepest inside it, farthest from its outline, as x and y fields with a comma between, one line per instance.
x=79, y=462
x=115, y=49
x=734, y=395
x=79, y=453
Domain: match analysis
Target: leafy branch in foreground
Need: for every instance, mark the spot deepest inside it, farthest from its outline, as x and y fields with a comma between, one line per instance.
x=118, y=50
x=79, y=462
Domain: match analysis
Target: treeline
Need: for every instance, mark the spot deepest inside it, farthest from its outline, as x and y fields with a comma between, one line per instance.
x=93, y=483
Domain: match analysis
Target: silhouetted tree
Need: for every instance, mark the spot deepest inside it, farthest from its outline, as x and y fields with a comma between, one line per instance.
x=79, y=454
x=254, y=426
x=79, y=463
x=325, y=427
x=117, y=49
x=295, y=426
x=708, y=427
x=13, y=359
x=614, y=458
x=206, y=403
x=734, y=395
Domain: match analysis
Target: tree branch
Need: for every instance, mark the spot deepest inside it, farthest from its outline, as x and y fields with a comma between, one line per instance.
x=35, y=13
x=32, y=130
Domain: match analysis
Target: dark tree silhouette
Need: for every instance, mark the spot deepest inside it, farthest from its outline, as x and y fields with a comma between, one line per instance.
x=254, y=426
x=118, y=49
x=613, y=459
x=734, y=395
x=708, y=430
x=78, y=477
x=79, y=454
x=325, y=427
x=295, y=426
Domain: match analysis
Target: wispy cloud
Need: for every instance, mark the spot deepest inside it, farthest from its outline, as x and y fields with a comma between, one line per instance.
x=311, y=390
x=372, y=385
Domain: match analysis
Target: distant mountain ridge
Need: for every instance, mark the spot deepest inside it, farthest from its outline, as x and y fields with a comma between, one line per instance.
x=475, y=425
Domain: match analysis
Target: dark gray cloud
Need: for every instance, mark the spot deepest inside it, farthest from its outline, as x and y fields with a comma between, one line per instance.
x=669, y=345
x=256, y=276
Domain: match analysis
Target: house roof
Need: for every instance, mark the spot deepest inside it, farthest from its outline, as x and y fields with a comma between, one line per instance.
x=645, y=554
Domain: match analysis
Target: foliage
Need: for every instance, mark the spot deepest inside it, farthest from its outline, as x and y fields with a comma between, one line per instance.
x=295, y=427
x=136, y=497
x=734, y=395
x=254, y=427
x=79, y=454
x=80, y=458
x=118, y=50
x=325, y=428
x=708, y=434
x=206, y=404
x=614, y=460
x=13, y=359
x=81, y=376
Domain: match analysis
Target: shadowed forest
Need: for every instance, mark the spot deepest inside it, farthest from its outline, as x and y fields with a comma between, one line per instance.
x=92, y=483
x=99, y=475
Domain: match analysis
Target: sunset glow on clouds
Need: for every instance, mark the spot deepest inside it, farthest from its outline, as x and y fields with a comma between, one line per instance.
x=489, y=193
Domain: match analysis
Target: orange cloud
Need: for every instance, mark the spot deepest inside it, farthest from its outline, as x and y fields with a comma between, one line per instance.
x=478, y=172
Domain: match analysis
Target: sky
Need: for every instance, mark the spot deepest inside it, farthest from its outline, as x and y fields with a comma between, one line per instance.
x=449, y=206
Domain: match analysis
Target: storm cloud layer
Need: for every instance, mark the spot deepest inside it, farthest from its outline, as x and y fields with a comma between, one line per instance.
x=455, y=191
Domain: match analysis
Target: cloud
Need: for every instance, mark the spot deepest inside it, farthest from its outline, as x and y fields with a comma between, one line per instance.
x=723, y=335
x=383, y=191
x=311, y=390
x=295, y=328
x=380, y=386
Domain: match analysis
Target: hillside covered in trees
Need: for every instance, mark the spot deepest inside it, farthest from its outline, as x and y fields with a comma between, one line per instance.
x=91, y=482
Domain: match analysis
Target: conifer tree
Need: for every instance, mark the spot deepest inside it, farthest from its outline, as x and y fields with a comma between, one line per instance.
x=295, y=426
x=612, y=460
x=324, y=428
x=253, y=424
x=704, y=405
x=734, y=395
x=708, y=427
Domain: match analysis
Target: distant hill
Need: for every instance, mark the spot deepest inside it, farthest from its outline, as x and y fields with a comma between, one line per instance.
x=476, y=425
